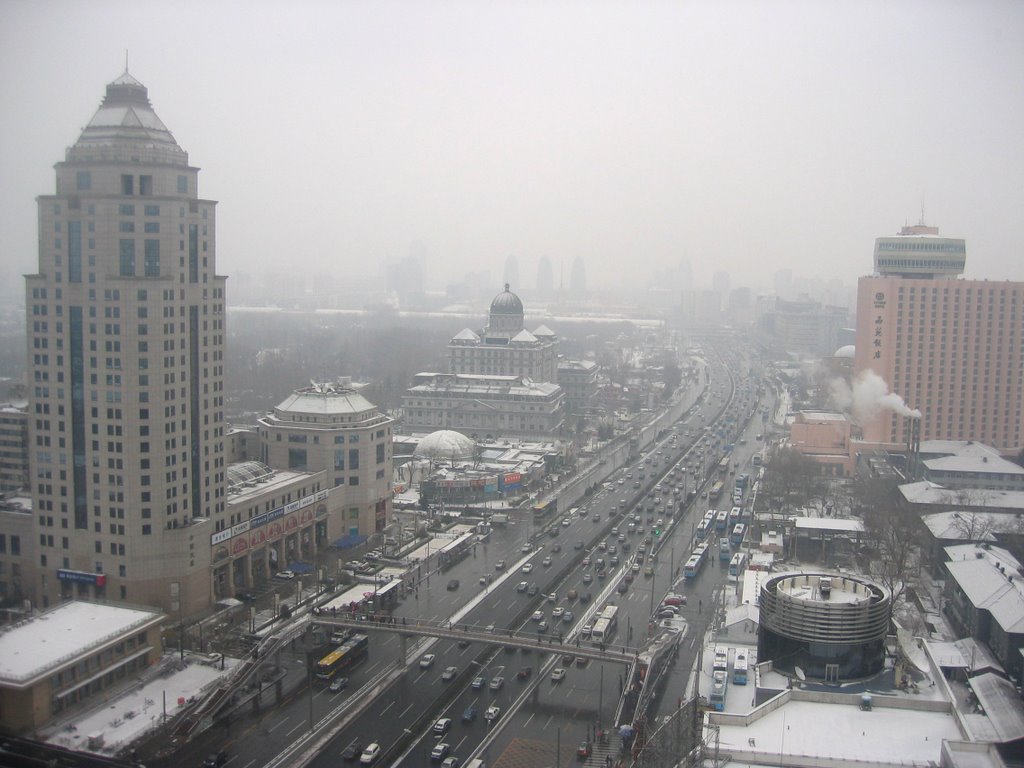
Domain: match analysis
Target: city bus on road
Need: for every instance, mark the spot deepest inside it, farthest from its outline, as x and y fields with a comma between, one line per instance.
x=721, y=520
x=739, y=667
x=696, y=561
x=738, y=564
x=738, y=532
x=604, y=626
x=719, y=685
x=724, y=553
x=716, y=491
x=343, y=658
x=705, y=525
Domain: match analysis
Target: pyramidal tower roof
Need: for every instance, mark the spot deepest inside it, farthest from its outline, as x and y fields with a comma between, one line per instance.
x=126, y=128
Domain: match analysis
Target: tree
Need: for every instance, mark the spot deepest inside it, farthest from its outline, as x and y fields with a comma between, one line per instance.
x=894, y=534
x=791, y=479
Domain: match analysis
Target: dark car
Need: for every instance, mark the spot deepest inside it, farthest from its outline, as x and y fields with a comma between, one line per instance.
x=216, y=760
x=352, y=751
x=453, y=585
x=524, y=673
x=469, y=714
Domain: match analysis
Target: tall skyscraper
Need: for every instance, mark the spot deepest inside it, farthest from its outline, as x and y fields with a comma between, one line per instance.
x=950, y=348
x=126, y=332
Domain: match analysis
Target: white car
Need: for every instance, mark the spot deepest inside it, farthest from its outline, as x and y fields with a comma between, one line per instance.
x=557, y=675
x=492, y=713
x=557, y=612
x=546, y=562
x=537, y=616
x=528, y=568
x=427, y=661
x=370, y=754
x=566, y=522
x=449, y=673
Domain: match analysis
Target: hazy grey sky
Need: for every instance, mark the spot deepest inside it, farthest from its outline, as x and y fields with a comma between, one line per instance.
x=746, y=136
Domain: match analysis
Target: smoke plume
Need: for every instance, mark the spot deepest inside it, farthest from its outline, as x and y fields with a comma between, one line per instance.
x=870, y=395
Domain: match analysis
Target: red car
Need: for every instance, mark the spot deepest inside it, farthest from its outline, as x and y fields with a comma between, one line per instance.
x=583, y=750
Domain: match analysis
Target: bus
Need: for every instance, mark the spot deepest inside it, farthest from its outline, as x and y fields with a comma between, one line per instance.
x=738, y=532
x=719, y=684
x=724, y=553
x=605, y=624
x=696, y=561
x=721, y=658
x=741, y=482
x=716, y=490
x=721, y=520
x=386, y=596
x=756, y=460
x=343, y=658
x=723, y=466
x=739, y=667
x=546, y=509
x=705, y=525
x=734, y=516
x=738, y=564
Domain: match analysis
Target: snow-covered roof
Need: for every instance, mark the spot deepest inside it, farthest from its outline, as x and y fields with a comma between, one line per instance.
x=973, y=465
x=1001, y=703
x=543, y=330
x=445, y=444
x=525, y=337
x=466, y=335
x=991, y=579
x=966, y=653
x=43, y=643
x=829, y=524
x=324, y=399
x=964, y=525
x=927, y=492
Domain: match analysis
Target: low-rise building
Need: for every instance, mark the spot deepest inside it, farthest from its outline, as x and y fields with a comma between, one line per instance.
x=13, y=446
x=967, y=466
x=70, y=656
x=485, y=407
x=985, y=600
x=824, y=438
x=16, y=530
x=578, y=379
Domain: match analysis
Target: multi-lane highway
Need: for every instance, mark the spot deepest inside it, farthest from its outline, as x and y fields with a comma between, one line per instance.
x=564, y=585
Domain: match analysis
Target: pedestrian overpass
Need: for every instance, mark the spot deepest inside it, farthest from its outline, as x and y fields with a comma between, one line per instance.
x=534, y=641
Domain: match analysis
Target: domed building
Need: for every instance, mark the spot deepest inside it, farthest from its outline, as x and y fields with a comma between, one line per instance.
x=445, y=445
x=505, y=347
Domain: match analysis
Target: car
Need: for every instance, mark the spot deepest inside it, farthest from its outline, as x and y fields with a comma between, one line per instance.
x=426, y=662
x=442, y=726
x=613, y=560
x=628, y=576
x=450, y=762
x=557, y=675
x=537, y=616
x=524, y=673
x=542, y=626
x=566, y=522
x=453, y=584
x=469, y=714
x=587, y=578
x=622, y=539
x=478, y=683
x=557, y=612
x=578, y=545
x=500, y=565
x=245, y=597
x=533, y=590
x=528, y=568
x=352, y=751
x=586, y=561
x=556, y=549
x=522, y=586
x=667, y=613
x=449, y=673
x=583, y=750
x=572, y=594
x=338, y=684
x=284, y=575
x=567, y=617
x=370, y=754
x=440, y=751
x=596, y=518
x=673, y=599
x=622, y=587
x=546, y=562
x=497, y=683
x=603, y=546
x=585, y=597
x=216, y=760
x=492, y=713
x=463, y=643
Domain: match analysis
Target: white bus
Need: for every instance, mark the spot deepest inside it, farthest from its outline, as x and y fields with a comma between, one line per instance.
x=604, y=626
x=738, y=564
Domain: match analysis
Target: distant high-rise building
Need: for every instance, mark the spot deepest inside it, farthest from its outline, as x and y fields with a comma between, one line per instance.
x=126, y=334
x=545, y=278
x=783, y=283
x=950, y=348
x=578, y=277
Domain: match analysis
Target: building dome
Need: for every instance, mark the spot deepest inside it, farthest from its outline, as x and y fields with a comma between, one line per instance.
x=506, y=303
x=847, y=351
x=445, y=444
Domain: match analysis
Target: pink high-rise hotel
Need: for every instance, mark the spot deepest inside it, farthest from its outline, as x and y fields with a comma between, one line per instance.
x=951, y=348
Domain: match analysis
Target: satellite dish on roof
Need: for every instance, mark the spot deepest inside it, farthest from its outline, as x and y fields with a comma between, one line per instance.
x=800, y=674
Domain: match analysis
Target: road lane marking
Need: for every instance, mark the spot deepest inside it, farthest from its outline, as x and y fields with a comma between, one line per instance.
x=293, y=730
x=279, y=722
x=389, y=706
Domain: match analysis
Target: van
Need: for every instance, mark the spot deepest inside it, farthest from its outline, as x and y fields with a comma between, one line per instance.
x=477, y=763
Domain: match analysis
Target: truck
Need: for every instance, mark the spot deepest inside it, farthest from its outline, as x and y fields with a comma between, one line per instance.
x=499, y=518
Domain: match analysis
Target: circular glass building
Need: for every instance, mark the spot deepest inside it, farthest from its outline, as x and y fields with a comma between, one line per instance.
x=830, y=627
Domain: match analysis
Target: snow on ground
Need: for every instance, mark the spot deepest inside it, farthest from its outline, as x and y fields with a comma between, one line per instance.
x=127, y=717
